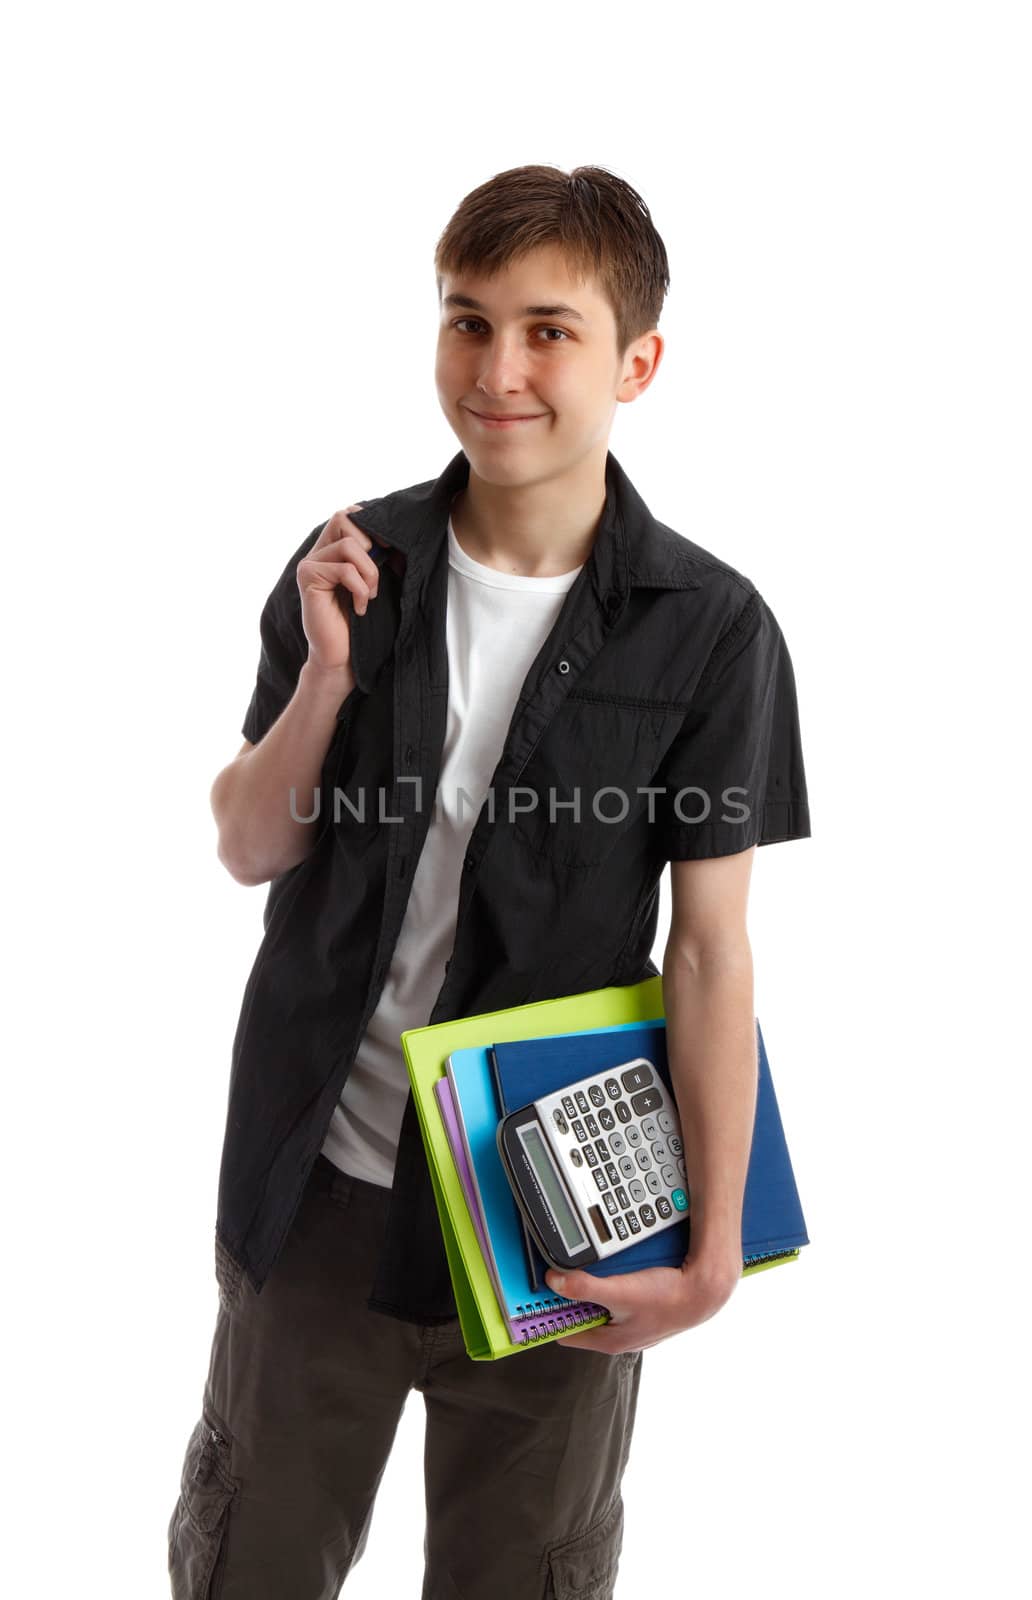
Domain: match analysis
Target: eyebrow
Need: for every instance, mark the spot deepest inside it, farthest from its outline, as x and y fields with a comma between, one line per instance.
x=559, y=310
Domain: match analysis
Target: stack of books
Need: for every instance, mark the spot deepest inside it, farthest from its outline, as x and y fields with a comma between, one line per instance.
x=467, y=1074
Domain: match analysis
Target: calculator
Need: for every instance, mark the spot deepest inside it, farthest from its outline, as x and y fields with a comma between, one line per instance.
x=597, y=1165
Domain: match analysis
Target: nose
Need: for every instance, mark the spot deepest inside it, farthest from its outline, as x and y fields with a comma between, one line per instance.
x=501, y=368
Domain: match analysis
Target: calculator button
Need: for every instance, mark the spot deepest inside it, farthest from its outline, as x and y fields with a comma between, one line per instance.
x=643, y=1159
x=648, y=1216
x=560, y=1121
x=620, y=1227
x=591, y=1125
x=582, y=1101
x=637, y=1191
x=580, y=1131
x=589, y=1155
x=610, y=1200
x=665, y=1121
x=633, y=1223
x=569, y=1107
x=649, y=1129
x=617, y=1144
x=647, y=1100
x=627, y=1167
x=600, y=1178
x=680, y=1199
x=653, y=1182
x=633, y=1136
x=602, y=1148
x=636, y=1078
x=611, y=1173
x=676, y=1146
x=612, y=1089
x=669, y=1176
x=606, y=1119
x=596, y=1095
x=623, y=1111
x=622, y=1196
x=659, y=1151
x=664, y=1207
x=576, y=1157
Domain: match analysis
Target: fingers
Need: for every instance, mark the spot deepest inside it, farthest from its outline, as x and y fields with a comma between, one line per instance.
x=346, y=565
x=340, y=523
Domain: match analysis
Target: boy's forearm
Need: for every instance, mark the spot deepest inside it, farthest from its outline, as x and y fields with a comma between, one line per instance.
x=251, y=799
x=711, y=1048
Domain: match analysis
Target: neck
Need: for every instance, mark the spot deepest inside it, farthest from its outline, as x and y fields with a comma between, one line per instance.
x=538, y=529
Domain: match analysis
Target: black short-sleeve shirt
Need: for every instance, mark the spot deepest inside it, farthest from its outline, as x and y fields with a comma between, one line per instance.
x=658, y=722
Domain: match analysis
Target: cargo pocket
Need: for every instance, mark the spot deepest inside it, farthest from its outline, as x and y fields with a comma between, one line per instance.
x=584, y=1568
x=197, y=1530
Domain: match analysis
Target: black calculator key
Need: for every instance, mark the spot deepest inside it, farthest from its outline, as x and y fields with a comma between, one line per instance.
x=581, y=1132
x=612, y=1089
x=648, y=1216
x=596, y=1095
x=664, y=1207
x=589, y=1155
x=602, y=1148
x=569, y=1107
x=623, y=1111
x=632, y=1222
x=582, y=1101
x=620, y=1227
x=636, y=1078
x=610, y=1200
x=600, y=1178
x=621, y=1195
x=611, y=1173
x=606, y=1119
x=591, y=1125
x=560, y=1121
x=647, y=1100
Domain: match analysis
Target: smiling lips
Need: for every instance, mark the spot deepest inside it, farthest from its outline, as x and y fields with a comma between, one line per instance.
x=503, y=422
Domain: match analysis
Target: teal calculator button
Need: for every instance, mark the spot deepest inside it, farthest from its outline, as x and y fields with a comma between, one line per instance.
x=680, y=1199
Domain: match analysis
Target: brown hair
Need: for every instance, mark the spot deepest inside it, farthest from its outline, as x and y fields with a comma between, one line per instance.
x=602, y=225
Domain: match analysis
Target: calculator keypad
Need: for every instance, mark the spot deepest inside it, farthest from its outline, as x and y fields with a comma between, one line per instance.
x=620, y=1127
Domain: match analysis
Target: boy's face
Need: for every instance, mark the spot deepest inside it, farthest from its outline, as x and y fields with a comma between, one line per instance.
x=560, y=370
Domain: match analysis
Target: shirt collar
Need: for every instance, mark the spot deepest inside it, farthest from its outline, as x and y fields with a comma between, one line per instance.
x=631, y=549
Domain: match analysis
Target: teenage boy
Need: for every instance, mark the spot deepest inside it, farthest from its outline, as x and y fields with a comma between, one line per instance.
x=537, y=697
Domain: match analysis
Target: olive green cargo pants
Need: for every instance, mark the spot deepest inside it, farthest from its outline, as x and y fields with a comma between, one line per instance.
x=524, y=1456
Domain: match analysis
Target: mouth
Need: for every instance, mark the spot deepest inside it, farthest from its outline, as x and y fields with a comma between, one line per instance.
x=504, y=422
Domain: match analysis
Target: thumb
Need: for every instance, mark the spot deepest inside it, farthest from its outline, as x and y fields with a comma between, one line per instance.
x=574, y=1284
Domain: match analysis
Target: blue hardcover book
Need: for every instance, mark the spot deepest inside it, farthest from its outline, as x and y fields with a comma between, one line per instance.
x=773, y=1227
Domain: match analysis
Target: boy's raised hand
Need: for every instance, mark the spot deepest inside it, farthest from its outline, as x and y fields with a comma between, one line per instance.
x=337, y=565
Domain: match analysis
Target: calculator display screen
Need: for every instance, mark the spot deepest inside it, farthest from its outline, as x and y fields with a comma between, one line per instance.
x=539, y=1158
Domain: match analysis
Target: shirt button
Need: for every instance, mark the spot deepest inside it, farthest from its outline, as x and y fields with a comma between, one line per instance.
x=409, y=752
x=612, y=604
x=564, y=666
x=467, y=860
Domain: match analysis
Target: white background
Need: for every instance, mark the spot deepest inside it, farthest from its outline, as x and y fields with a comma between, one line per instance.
x=220, y=320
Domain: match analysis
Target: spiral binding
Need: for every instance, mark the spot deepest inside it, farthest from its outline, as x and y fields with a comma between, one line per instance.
x=548, y=1320
x=768, y=1255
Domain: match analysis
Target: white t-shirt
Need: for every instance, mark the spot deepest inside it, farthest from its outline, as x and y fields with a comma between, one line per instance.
x=496, y=624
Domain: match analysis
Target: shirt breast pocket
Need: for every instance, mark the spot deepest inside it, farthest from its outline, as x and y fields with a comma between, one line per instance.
x=581, y=785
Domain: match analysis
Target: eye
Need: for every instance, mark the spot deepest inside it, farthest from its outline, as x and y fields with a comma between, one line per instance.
x=565, y=335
